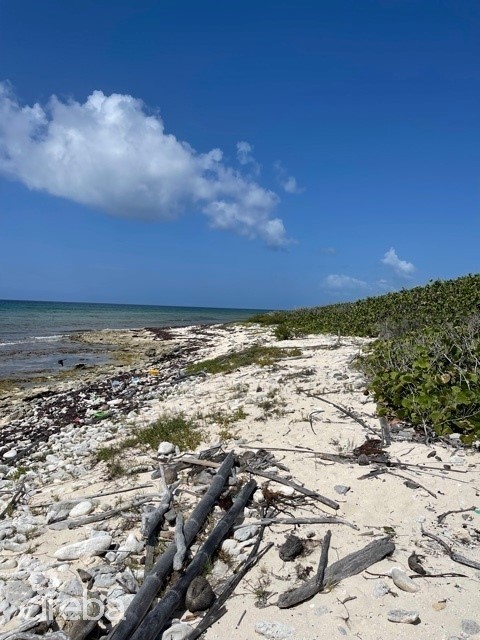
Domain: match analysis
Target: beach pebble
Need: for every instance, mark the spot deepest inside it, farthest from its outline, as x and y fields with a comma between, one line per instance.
x=165, y=448
x=8, y=563
x=402, y=581
x=91, y=547
x=285, y=491
x=341, y=489
x=380, y=589
x=178, y=631
x=470, y=627
x=11, y=453
x=274, y=630
x=82, y=509
x=220, y=570
x=131, y=545
x=200, y=595
x=245, y=533
x=17, y=592
x=104, y=580
x=231, y=547
x=290, y=549
x=401, y=615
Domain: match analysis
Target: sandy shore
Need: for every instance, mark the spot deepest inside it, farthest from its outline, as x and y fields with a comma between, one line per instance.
x=281, y=409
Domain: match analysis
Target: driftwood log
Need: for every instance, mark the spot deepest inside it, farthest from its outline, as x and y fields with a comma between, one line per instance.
x=289, y=483
x=154, y=581
x=158, y=618
x=314, y=520
x=456, y=557
x=349, y=566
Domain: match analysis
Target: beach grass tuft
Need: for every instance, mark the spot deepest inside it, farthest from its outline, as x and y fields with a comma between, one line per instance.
x=256, y=354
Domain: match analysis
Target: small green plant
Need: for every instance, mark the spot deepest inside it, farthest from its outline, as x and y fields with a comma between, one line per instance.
x=283, y=332
x=225, y=419
x=177, y=429
x=18, y=473
x=180, y=431
x=256, y=354
x=259, y=588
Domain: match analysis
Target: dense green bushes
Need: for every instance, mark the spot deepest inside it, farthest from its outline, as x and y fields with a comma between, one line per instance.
x=424, y=366
x=391, y=314
x=429, y=377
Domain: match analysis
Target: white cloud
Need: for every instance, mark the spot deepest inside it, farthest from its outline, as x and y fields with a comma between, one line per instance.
x=109, y=153
x=331, y=251
x=288, y=183
x=341, y=282
x=401, y=267
x=245, y=157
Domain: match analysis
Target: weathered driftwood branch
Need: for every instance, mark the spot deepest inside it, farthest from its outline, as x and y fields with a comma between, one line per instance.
x=442, y=516
x=155, y=518
x=315, y=520
x=333, y=457
x=111, y=513
x=155, y=579
x=289, y=483
x=420, y=486
x=217, y=609
x=81, y=629
x=456, y=557
x=180, y=544
x=386, y=436
x=25, y=635
x=347, y=412
x=157, y=619
x=349, y=566
x=322, y=565
x=11, y=504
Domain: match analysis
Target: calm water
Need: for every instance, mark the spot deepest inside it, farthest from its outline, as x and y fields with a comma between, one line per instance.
x=35, y=335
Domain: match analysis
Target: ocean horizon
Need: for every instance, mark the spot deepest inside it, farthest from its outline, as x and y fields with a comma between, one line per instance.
x=34, y=334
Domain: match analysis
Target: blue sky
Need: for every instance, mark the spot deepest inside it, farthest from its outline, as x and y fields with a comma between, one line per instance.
x=268, y=154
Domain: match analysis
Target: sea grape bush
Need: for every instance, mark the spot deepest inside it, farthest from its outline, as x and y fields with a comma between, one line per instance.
x=424, y=366
x=429, y=377
x=389, y=315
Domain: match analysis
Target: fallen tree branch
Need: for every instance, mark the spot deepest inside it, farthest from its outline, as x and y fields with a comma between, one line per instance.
x=155, y=579
x=349, y=566
x=111, y=513
x=347, y=412
x=322, y=565
x=314, y=520
x=157, y=619
x=453, y=555
x=442, y=517
x=289, y=483
x=11, y=504
x=180, y=544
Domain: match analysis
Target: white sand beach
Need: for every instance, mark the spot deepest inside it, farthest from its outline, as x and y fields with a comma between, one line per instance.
x=286, y=410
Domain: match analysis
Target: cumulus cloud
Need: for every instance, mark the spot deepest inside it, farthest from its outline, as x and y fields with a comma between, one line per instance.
x=341, y=282
x=245, y=157
x=287, y=182
x=109, y=153
x=401, y=267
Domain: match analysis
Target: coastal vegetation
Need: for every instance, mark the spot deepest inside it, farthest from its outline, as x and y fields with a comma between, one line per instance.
x=256, y=354
x=424, y=365
x=182, y=432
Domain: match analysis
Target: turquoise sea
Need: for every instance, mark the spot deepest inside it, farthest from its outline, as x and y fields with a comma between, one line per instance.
x=35, y=335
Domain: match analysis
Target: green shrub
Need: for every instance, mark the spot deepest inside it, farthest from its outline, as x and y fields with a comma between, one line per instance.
x=389, y=315
x=429, y=377
x=255, y=354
